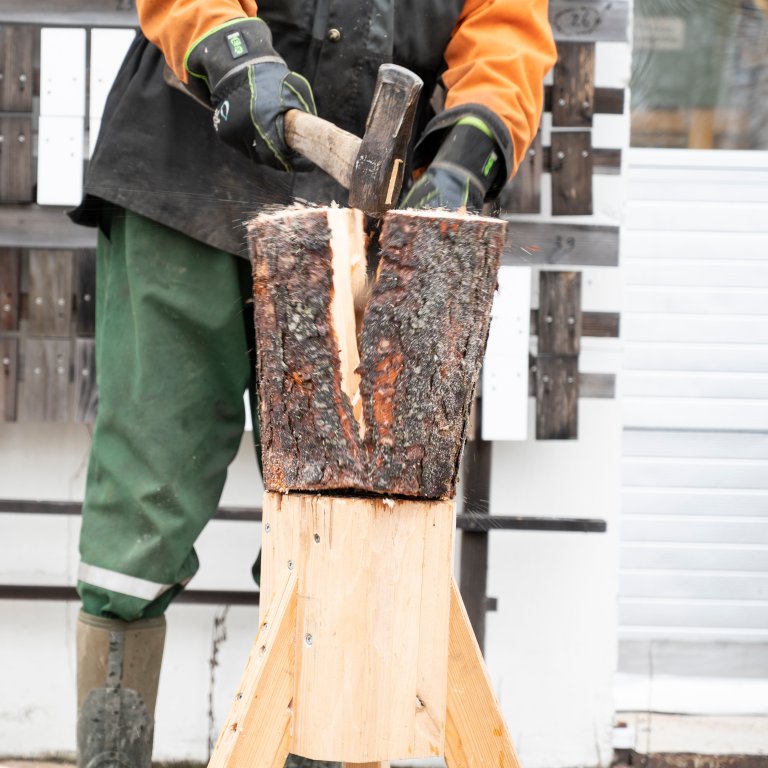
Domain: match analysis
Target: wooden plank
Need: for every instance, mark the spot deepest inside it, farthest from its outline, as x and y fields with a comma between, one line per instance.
x=15, y=159
x=557, y=397
x=10, y=263
x=476, y=734
x=608, y=101
x=86, y=392
x=16, y=68
x=257, y=729
x=590, y=20
x=371, y=625
x=50, y=293
x=523, y=193
x=68, y=13
x=573, y=86
x=534, y=242
x=571, y=173
x=45, y=392
x=9, y=363
x=33, y=226
x=85, y=293
x=60, y=160
x=607, y=161
x=559, y=316
x=595, y=324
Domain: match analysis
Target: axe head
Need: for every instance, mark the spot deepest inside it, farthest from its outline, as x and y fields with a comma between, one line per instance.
x=380, y=164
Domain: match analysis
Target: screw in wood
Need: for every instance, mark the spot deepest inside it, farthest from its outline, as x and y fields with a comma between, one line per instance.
x=584, y=153
x=267, y=527
x=571, y=320
x=561, y=155
x=290, y=565
x=548, y=318
x=561, y=101
x=308, y=639
x=317, y=538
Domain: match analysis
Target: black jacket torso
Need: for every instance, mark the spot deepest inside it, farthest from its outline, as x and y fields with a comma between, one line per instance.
x=158, y=155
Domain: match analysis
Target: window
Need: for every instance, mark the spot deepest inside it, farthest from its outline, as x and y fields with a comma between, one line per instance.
x=700, y=74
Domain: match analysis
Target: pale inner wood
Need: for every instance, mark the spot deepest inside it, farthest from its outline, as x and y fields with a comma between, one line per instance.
x=349, y=266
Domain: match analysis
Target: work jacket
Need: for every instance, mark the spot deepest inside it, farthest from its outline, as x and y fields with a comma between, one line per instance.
x=158, y=154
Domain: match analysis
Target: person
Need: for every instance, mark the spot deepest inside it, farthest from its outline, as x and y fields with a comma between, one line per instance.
x=169, y=189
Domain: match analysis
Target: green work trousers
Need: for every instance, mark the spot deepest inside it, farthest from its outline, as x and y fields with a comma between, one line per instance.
x=174, y=355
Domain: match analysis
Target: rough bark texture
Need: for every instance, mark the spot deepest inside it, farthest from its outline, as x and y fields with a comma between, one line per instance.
x=421, y=347
x=309, y=435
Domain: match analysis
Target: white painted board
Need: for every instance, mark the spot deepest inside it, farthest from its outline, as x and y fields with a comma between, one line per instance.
x=62, y=72
x=108, y=49
x=60, y=160
x=505, y=370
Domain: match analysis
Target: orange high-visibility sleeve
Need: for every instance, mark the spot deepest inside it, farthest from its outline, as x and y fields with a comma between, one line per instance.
x=174, y=25
x=498, y=56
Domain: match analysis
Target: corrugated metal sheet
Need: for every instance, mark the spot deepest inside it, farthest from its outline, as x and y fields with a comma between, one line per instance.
x=694, y=389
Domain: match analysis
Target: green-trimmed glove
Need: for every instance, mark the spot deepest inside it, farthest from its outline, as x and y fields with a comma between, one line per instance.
x=465, y=168
x=251, y=88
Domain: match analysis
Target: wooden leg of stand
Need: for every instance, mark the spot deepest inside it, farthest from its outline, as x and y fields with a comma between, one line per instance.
x=257, y=731
x=475, y=733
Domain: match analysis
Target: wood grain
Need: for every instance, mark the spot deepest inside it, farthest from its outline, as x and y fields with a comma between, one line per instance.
x=557, y=397
x=10, y=264
x=257, y=729
x=373, y=584
x=15, y=159
x=559, y=314
x=45, y=395
x=50, y=293
x=9, y=362
x=86, y=392
x=590, y=20
x=16, y=68
x=85, y=293
x=523, y=193
x=476, y=735
x=571, y=170
x=573, y=86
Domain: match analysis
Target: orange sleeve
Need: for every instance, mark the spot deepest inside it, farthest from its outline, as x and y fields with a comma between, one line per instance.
x=498, y=55
x=174, y=25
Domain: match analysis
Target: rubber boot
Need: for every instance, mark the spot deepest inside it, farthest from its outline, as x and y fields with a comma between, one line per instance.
x=118, y=667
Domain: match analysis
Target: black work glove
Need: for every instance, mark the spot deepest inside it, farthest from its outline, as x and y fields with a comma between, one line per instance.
x=251, y=88
x=467, y=165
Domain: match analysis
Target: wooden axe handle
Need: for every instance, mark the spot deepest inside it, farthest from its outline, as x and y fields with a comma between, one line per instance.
x=327, y=146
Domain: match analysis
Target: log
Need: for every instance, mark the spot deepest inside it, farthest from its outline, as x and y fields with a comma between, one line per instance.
x=395, y=423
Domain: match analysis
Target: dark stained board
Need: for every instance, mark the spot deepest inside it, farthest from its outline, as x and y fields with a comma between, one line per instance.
x=15, y=159
x=559, y=316
x=10, y=262
x=523, y=193
x=16, y=72
x=557, y=397
x=34, y=226
x=9, y=361
x=571, y=158
x=608, y=101
x=86, y=392
x=573, y=86
x=44, y=395
x=550, y=242
x=85, y=293
x=50, y=293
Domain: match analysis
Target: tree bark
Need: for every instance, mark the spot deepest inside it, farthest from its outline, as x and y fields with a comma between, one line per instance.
x=420, y=349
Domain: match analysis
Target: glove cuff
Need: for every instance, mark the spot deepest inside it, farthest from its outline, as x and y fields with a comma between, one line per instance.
x=457, y=130
x=226, y=48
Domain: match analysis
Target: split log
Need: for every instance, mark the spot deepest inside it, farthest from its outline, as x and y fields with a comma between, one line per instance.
x=394, y=424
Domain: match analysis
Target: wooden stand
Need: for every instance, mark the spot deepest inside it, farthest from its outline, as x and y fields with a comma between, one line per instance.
x=365, y=653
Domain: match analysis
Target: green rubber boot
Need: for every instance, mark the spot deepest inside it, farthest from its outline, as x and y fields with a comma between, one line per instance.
x=118, y=667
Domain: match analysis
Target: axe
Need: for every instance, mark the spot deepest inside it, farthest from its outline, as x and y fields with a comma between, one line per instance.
x=371, y=168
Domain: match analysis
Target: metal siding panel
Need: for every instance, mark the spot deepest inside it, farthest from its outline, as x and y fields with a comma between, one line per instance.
x=732, y=445
x=695, y=586
x=715, y=614
x=704, y=501
x=692, y=529
x=752, y=386
x=688, y=556
x=673, y=472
